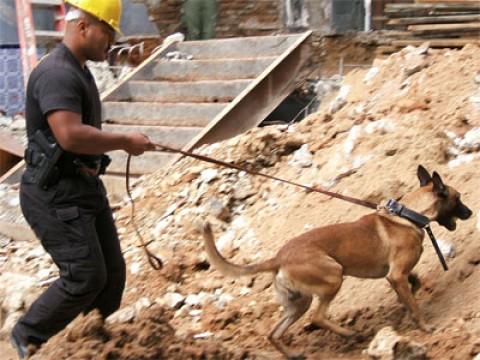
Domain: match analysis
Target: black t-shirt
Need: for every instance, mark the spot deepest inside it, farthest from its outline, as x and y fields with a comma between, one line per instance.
x=58, y=82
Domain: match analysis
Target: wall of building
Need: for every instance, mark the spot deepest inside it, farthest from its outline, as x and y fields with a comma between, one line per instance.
x=12, y=95
x=249, y=17
x=8, y=23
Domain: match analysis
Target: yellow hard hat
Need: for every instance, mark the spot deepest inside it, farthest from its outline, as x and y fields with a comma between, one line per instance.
x=109, y=11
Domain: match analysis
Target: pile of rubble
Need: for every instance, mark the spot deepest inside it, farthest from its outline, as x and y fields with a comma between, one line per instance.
x=365, y=141
x=15, y=126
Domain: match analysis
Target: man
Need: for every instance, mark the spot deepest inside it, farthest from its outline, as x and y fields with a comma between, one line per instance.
x=200, y=18
x=69, y=211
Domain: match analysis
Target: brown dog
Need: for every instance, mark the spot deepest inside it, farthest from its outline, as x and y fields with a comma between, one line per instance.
x=374, y=246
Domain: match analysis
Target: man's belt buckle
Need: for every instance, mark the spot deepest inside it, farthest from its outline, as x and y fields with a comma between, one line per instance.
x=88, y=170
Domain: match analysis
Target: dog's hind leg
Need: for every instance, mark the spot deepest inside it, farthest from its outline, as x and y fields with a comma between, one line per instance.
x=320, y=318
x=326, y=289
x=295, y=304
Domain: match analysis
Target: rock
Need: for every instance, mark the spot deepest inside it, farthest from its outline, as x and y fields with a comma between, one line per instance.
x=475, y=100
x=36, y=253
x=135, y=268
x=447, y=249
x=124, y=315
x=204, y=335
x=243, y=190
x=224, y=299
x=195, y=312
x=173, y=300
x=18, y=123
x=14, y=289
x=414, y=68
x=340, y=100
x=141, y=304
x=14, y=201
x=409, y=350
x=302, y=157
x=226, y=240
x=215, y=207
x=197, y=299
x=470, y=141
x=476, y=79
x=10, y=321
x=208, y=175
x=388, y=345
x=5, y=121
x=381, y=347
x=371, y=73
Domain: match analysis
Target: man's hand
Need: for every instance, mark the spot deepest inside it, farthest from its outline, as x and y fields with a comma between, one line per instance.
x=74, y=136
x=137, y=144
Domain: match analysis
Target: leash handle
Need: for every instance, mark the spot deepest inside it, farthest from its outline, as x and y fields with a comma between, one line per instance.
x=437, y=248
x=153, y=260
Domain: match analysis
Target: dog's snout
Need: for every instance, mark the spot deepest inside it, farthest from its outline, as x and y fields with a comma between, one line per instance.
x=464, y=212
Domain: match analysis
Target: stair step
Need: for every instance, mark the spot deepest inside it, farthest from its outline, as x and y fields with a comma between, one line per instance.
x=171, y=136
x=46, y=2
x=212, y=91
x=46, y=36
x=188, y=70
x=162, y=114
x=139, y=165
x=237, y=48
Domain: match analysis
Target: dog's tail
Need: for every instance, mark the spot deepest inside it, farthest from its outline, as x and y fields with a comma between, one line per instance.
x=226, y=267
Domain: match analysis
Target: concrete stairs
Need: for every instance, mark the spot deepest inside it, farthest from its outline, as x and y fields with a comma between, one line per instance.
x=225, y=87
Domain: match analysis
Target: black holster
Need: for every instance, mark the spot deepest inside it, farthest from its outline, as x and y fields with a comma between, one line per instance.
x=42, y=157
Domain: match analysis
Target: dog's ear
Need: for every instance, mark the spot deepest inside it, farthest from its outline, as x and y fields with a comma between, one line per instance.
x=423, y=175
x=438, y=186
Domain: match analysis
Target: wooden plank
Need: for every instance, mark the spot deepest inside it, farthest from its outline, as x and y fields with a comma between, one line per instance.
x=446, y=1
x=434, y=20
x=469, y=6
x=447, y=43
x=13, y=175
x=414, y=10
x=10, y=144
x=447, y=28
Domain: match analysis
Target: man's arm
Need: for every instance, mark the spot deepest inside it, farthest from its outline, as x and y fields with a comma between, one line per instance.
x=74, y=136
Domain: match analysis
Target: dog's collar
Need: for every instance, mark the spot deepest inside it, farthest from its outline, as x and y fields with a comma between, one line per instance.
x=395, y=208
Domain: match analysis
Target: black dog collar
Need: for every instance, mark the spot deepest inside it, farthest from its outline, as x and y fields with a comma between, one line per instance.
x=395, y=208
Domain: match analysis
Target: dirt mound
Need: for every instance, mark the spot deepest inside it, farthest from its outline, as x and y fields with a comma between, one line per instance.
x=418, y=106
x=148, y=337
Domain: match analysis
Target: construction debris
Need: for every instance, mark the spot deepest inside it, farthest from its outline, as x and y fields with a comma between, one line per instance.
x=412, y=109
x=443, y=24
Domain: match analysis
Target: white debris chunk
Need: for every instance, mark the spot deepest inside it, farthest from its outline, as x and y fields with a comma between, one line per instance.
x=371, y=73
x=302, y=157
x=447, y=248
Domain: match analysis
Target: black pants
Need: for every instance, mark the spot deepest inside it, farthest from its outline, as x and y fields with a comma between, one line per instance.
x=74, y=223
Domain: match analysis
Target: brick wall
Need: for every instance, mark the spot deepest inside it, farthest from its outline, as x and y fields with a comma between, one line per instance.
x=242, y=17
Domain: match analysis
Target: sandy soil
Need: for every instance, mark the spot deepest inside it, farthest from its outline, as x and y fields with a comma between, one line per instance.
x=417, y=106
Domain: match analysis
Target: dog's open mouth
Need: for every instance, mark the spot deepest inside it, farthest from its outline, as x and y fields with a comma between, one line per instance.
x=448, y=222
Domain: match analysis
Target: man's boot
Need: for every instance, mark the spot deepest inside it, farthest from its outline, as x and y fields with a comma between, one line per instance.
x=22, y=349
